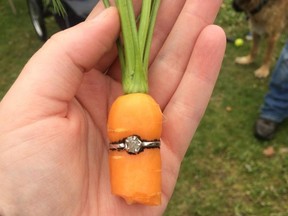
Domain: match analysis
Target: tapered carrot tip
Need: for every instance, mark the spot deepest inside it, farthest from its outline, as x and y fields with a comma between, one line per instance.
x=136, y=177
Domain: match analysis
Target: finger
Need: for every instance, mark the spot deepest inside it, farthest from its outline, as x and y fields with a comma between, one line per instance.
x=168, y=13
x=187, y=106
x=173, y=57
x=53, y=75
x=106, y=61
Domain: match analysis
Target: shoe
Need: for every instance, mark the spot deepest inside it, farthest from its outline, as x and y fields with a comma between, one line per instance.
x=265, y=129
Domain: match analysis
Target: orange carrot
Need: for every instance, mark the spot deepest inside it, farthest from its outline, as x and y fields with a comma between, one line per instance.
x=135, y=177
x=135, y=119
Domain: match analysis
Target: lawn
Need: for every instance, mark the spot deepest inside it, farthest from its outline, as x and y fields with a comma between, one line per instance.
x=225, y=171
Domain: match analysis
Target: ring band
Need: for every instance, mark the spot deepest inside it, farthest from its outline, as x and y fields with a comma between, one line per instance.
x=134, y=144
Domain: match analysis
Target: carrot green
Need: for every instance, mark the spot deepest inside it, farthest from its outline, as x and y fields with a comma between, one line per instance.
x=135, y=43
x=57, y=5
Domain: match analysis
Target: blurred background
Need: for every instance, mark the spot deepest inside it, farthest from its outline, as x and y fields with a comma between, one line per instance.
x=226, y=171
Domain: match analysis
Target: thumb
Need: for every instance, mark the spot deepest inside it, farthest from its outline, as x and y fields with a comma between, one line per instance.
x=54, y=73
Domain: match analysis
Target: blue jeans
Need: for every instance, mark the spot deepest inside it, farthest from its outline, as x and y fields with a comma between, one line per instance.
x=275, y=106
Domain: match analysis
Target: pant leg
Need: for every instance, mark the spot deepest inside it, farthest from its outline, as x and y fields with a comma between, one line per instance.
x=275, y=106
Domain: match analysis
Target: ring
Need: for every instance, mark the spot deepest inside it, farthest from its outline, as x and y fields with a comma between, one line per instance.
x=134, y=144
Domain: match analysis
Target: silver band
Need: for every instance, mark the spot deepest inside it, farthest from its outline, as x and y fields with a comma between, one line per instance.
x=134, y=145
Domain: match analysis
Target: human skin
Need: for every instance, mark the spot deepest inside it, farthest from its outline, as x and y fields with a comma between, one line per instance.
x=53, y=139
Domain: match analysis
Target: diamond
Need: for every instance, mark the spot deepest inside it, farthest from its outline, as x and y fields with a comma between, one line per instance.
x=133, y=144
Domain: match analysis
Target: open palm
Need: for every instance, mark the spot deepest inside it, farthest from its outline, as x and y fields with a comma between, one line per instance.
x=54, y=147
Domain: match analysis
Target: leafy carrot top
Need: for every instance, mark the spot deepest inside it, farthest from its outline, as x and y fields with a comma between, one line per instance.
x=135, y=41
x=134, y=45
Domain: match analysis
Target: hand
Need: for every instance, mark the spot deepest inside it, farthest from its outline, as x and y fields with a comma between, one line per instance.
x=53, y=152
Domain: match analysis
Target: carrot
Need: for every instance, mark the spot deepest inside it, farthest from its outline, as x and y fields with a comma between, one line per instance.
x=135, y=177
x=135, y=119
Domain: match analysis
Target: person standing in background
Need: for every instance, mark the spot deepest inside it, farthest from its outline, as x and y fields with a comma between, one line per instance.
x=275, y=106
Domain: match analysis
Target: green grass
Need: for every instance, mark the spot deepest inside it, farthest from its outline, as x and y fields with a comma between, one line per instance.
x=224, y=172
x=15, y=43
x=18, y=41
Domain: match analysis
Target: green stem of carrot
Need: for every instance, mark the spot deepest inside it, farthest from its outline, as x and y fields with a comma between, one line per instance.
x=57, y=6
x=134, y=48
x=152, y=21
x=106, y=3
x=144, y=25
